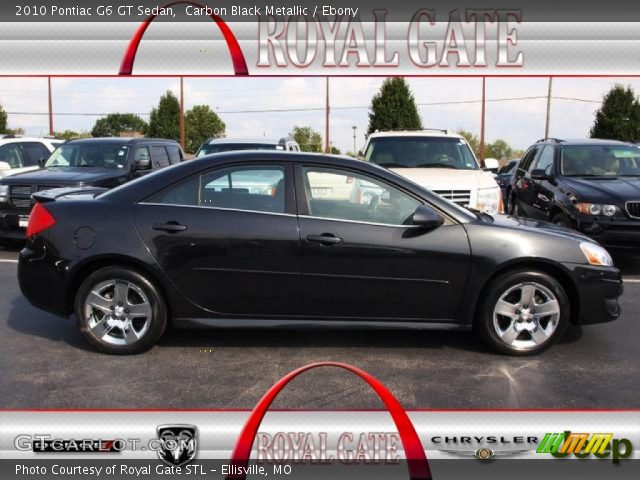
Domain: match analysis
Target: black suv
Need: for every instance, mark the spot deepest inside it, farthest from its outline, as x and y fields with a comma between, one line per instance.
x=98, y=162
x=590, y=185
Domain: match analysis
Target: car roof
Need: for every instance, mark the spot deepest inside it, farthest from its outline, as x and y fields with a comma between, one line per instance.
x=122, y=140
x=584, y=141
x=259, y=140
x=427, y=132
x=28, y=139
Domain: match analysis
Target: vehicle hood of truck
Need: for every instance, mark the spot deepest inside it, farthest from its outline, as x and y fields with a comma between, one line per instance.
x=448, y=178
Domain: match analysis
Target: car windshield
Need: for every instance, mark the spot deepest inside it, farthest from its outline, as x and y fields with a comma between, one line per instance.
x=100, y=155
x=421, y=152
x=600, y=161
x=229, y=147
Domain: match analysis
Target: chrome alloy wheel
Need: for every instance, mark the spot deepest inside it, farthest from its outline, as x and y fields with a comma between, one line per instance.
x=526, y=316
x=118, y=312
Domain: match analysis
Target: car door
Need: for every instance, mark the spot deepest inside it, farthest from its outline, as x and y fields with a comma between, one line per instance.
x=362, y=258
x=542, y=190
x=228, y=239
x=523, y=185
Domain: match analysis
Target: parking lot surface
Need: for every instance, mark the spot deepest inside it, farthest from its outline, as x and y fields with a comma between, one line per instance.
x=45, y=363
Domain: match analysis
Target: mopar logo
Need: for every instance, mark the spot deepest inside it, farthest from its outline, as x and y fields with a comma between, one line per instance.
x=178, y=444
x=583, y=445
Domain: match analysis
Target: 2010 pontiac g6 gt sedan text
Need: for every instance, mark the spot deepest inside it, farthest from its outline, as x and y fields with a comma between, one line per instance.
x=286, y=239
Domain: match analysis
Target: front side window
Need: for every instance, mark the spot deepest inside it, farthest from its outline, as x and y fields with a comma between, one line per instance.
x=421, y=152
x=341, y=195
x=600, y=161
x=259, y=188
x=545, y=161
x=97, y=155
x=33, y=153
x=527, y=161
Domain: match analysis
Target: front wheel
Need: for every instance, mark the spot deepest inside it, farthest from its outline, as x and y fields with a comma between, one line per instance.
x=120, y=312
x=524, y=313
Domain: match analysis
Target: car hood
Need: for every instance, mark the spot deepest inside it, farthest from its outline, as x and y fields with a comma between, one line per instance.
x=64, y=175
x=537, y=226
x=447, y=178
x=602, y=190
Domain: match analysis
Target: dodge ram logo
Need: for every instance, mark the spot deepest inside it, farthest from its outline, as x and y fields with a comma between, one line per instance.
x=177, y=444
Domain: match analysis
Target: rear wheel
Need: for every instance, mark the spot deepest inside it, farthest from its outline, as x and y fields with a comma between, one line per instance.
x=524, y=312
x=119, y=311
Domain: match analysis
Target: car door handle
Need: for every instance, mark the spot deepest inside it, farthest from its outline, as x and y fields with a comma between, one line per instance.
x=172, y=227
x=324, y=239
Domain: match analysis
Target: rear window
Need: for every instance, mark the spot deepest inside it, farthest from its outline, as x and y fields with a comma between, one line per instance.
x=421, y=152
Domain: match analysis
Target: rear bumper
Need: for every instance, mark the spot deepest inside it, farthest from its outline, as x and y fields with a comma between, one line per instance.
x=598, y=289
x=43, y=280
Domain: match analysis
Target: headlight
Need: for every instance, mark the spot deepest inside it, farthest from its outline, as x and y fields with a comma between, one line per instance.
x=596, y=255
x=596, y=209
x=489, y=200
x=4, y=190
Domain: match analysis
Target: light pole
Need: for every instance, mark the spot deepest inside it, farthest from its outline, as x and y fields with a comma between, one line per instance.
x=355, y=154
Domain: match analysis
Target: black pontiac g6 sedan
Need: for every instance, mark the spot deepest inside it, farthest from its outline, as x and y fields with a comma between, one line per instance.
x=285, y=239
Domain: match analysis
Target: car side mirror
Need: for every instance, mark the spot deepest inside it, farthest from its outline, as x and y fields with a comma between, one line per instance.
x=143, y=164
x=539, y=174
x=426, y=217
x=491, y=165
x=41, y=162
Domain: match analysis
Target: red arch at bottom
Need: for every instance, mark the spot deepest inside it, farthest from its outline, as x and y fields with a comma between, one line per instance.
x=417, y=462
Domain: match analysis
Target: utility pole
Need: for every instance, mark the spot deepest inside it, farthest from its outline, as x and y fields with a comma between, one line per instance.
x=182, y=133
x=51, y=132
x=546, y=126
x=481, y=152
x=327, y=144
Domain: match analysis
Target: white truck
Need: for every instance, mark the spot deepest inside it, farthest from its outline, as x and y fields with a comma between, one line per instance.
x=438, y=160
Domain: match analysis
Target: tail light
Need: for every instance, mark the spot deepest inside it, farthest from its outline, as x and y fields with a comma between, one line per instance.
x=40, y=219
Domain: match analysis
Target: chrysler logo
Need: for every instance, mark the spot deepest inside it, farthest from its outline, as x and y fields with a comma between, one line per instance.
x=178, y=444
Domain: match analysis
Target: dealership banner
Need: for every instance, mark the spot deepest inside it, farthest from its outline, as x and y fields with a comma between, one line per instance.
x=316, y=38
x=328, y=444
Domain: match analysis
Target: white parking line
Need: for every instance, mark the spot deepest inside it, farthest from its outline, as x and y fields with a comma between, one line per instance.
x=7, y=260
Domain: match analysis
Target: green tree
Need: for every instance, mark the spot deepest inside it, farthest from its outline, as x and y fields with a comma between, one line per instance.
x=308, y=139
x=116, y=124
x=618, y=118
x=3, y=120
x=335, y=150
x=69, y=134
x=394, y=107
x=165, y=119
x=472, y=140
x=350, y=154
x=499, y=149
x=201, y=123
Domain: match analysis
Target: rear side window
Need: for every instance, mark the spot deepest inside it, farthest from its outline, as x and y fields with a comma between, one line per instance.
x=33, y=152
x=258, y=188
x=159, y=157
x=175, y=155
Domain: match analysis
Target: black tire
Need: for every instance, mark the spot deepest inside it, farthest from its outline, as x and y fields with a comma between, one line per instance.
x=136, y=283
x=484, y=324
x=562, y=220
x=515, y=207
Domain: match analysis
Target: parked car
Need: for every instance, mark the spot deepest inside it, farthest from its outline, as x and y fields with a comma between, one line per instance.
x=438, y=160
x=186, y=243
x=218, y=145
x=100, y=162
x=589, y=185
x=504, y=177
x=22, y=154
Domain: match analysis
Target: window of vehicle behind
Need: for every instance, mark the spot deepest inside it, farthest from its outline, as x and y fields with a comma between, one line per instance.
x=342, y=195
x=97, y=155
x=254, y=188
x=11, y=155
x=421, y=152
x=230, y=147
x=600, y=160
x=175, y=155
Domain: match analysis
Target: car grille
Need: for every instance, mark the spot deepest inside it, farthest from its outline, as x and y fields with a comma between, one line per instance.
x=633, y=208
x=20, y=195
x=459, y=197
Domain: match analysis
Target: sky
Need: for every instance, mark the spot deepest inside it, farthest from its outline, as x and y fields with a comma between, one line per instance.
x=271, y=107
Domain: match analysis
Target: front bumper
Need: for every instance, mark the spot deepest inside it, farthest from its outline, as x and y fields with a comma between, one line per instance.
x=618, y=232
x=598, y=289
x=9, y=226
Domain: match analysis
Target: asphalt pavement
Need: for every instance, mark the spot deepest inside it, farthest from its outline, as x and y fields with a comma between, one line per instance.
x=46, y=364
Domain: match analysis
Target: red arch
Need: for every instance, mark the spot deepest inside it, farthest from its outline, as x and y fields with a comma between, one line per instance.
x=237, y=57
x=416, y=458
